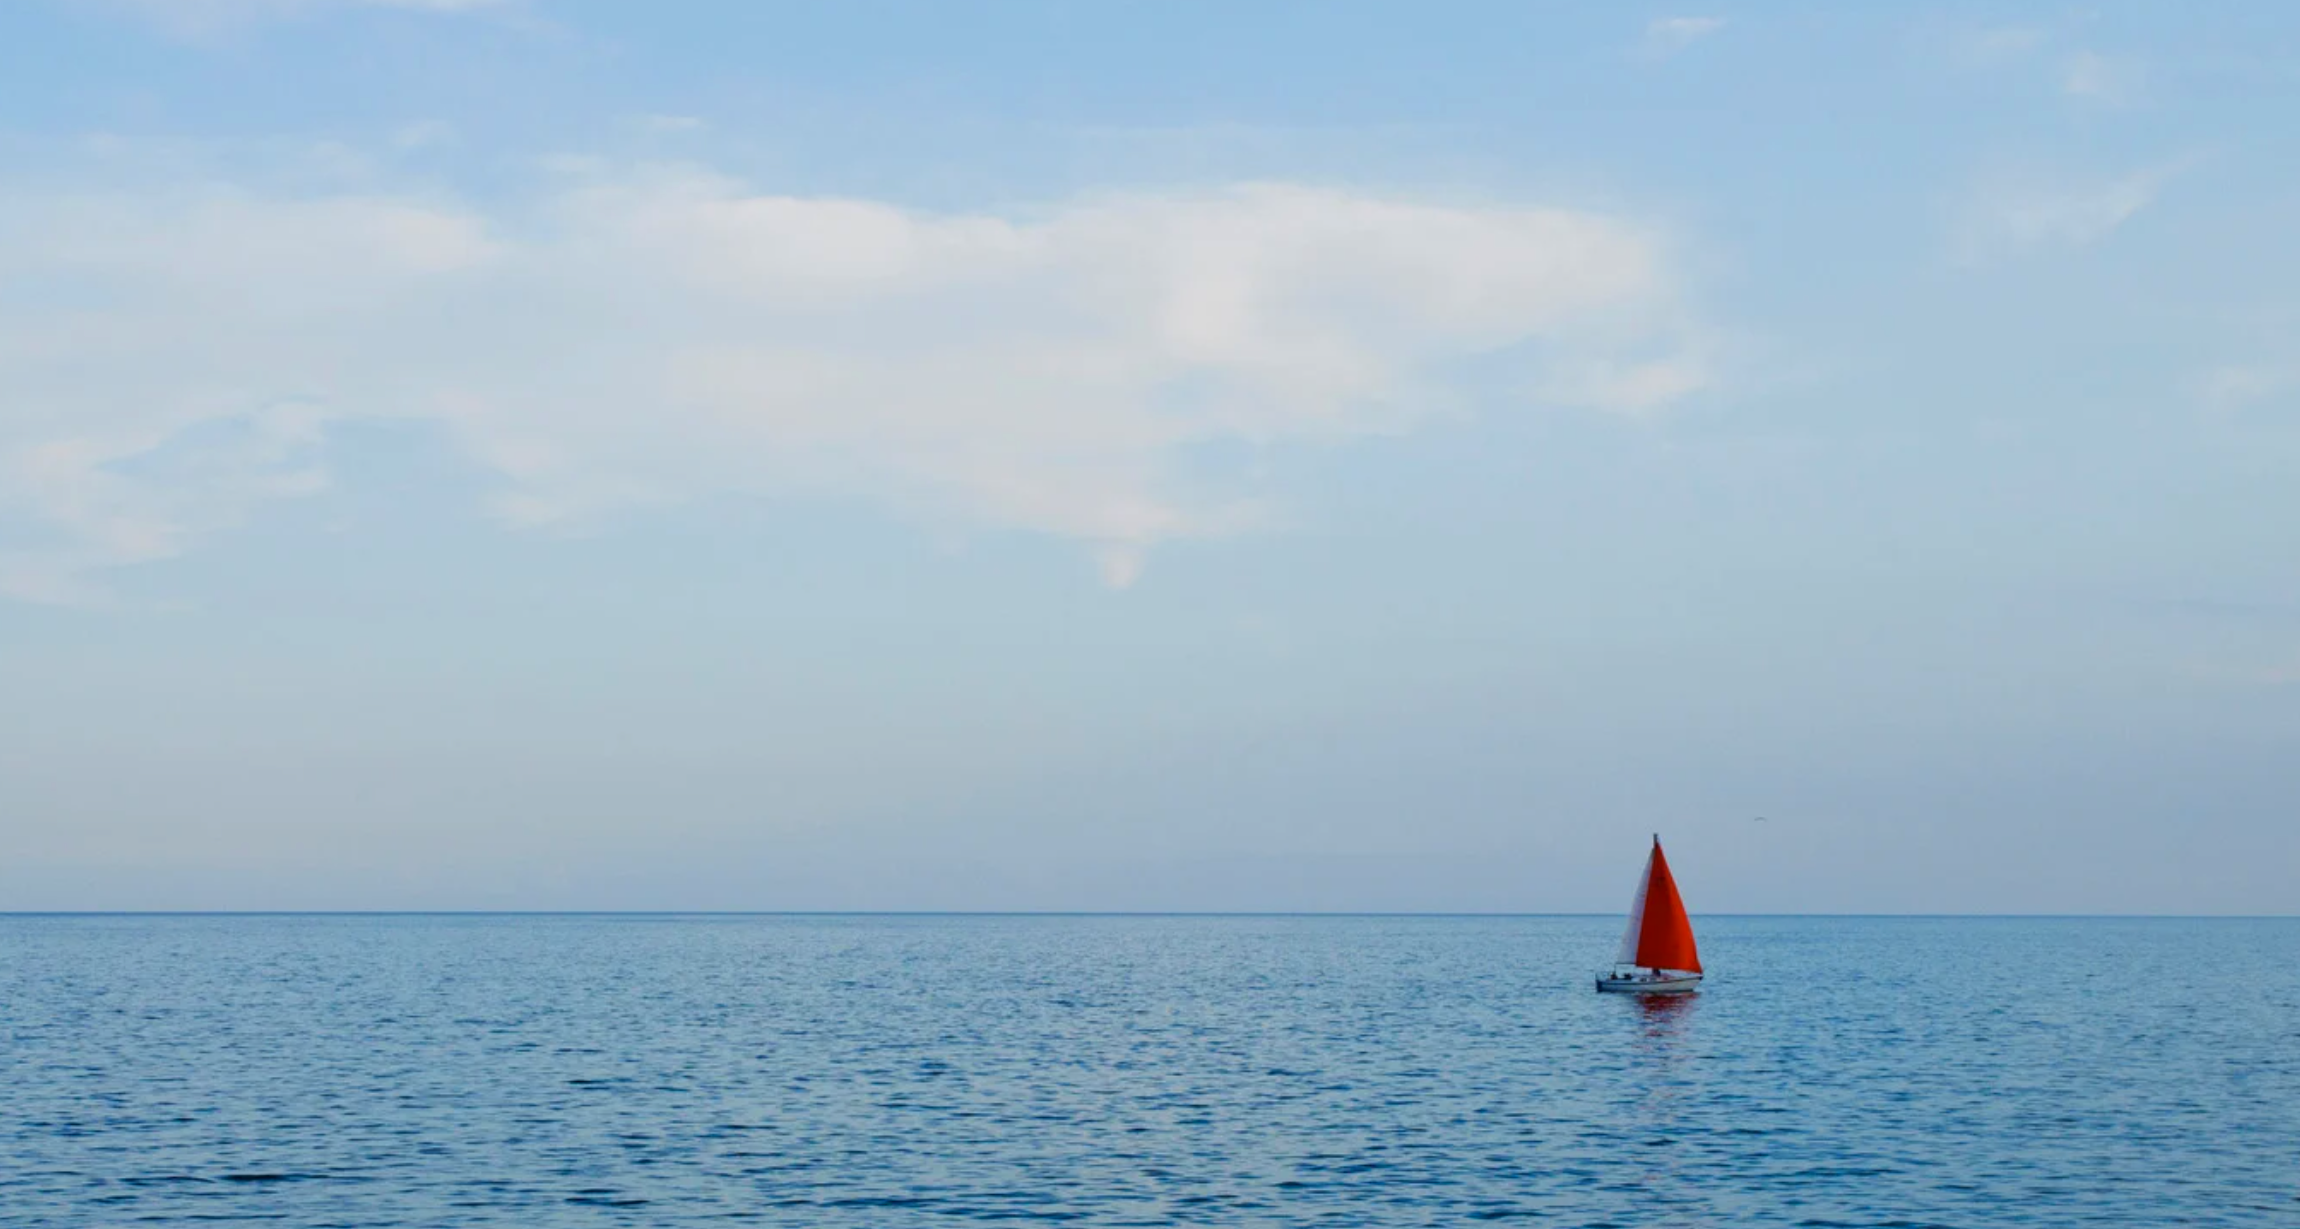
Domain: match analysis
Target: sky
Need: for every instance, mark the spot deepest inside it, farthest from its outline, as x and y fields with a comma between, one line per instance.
x=1038, y=455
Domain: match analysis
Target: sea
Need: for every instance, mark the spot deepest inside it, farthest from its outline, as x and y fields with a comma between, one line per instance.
x=567, y=1070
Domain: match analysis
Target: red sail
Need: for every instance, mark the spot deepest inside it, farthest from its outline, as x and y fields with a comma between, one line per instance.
x=1665, y=935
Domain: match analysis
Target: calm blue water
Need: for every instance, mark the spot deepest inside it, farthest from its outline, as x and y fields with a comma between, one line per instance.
x=543, y=1071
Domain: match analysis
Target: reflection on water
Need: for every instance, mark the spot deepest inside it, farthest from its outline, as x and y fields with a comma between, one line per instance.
x=1661, y=1106
x=1666, y=1014
x=1663, y=1025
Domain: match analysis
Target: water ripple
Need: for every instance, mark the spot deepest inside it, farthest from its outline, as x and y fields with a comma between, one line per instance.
x=545, y=1071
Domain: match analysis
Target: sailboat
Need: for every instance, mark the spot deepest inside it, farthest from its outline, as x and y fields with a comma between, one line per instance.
x=1657, y=954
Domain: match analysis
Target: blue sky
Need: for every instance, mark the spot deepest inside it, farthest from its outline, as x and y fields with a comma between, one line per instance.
x=546, y=454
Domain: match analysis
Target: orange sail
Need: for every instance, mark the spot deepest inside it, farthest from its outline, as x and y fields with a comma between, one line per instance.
x=1660, y=936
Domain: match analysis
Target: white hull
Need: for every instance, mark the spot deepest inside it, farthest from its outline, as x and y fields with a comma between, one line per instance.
x=1646, y=984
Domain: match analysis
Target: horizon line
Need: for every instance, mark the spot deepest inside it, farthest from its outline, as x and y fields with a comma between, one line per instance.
x=1084, y=913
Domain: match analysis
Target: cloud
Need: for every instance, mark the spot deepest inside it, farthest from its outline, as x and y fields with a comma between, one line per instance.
x=2027, y=214
x=2093, y=77
x=2238, y=385
x=1666, y=36
x=112, y=500
x=643, y=336
x=2083, y=75
x=425, y=134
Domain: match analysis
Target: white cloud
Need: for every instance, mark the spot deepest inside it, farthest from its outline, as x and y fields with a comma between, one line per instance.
x=2081, y=74
x=1628, y=385
x=2237, y=385
x=2026, y=214
x=1668, y=35
x=425, y=134
x=648, y=336
x=2094, y=77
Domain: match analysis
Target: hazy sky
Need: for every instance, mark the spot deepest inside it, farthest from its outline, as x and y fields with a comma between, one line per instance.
x=577, y=453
